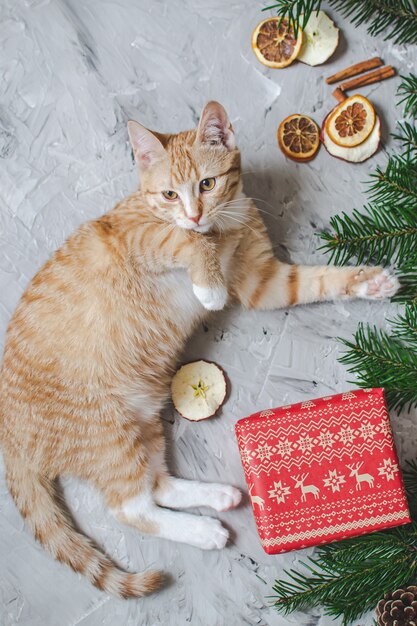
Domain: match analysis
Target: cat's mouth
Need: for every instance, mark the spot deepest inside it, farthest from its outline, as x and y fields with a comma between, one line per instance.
x=199, y=228
x=202, y=228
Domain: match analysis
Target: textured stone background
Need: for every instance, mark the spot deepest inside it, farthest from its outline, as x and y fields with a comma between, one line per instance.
x=71, y=74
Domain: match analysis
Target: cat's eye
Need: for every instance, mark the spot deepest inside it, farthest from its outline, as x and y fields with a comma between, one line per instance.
x=170, y=195
x=207, y=184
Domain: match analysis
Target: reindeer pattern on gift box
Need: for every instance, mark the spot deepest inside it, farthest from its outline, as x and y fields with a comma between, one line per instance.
x=360, y=478
x=256, y=499
x=305, y=489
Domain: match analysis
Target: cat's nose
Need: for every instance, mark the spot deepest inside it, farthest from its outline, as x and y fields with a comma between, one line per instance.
x=195, y=218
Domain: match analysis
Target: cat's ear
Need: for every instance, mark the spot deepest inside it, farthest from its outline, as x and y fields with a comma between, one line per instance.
x=147, y=148
x=214, y=127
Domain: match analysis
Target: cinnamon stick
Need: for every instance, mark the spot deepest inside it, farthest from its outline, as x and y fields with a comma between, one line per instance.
x=367, y=79
x=339, y=94
x=353, y=70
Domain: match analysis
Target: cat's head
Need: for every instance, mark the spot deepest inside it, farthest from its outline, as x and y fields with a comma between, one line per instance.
x=191, y=179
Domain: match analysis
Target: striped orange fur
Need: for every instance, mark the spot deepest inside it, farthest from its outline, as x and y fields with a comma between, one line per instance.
x=94, y=341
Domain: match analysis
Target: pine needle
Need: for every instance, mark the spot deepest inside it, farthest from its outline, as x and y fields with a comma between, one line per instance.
x=408, y=92
x=348, y=578
x=408, y=139
x=381, y=360
x=407, y=274
x=396, y=18
x=405, y=326
x=380, y=234
x=295, y=11
x=396, y=185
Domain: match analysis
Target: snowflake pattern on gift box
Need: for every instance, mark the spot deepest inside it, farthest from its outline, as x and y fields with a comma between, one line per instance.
x=284, y=448
x=325, y=439
x=388, y=469
x=264, y=452
x=347, y=435
x=305, y=444
x=280, y=491
x=385, y=429
x=266, y=413
x=349, y=395
x=334, y=480
x=245, y=455
x=367, y=431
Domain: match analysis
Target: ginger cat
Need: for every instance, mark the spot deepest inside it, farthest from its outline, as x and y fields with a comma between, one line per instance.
x=93, y=344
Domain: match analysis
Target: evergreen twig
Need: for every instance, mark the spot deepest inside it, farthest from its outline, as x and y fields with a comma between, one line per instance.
x=396, y=186
x=407, y=273
x=348, y=578
x=405, y=326
x=410, y=483
x=379, y=234
x=408, y=139
x=398, y=18
x=408, y=92
x=296, y=12
x=381, y=360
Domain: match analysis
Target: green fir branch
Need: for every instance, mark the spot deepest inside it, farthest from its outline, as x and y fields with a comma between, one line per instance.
x=407, y=273
x=405, y=327
x=408, y=139
x=296, y=12
x=410, y=483
x=348, y=578
x=380, y=360
x=379, y=234
x=397, y=17
x=396, y=185
x=408, y=94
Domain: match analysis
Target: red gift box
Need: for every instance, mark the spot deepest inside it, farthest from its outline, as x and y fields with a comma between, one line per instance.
x=322, y=470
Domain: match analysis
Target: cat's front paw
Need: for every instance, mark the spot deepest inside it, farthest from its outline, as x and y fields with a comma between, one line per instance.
x=212, y=298
x=374, y=284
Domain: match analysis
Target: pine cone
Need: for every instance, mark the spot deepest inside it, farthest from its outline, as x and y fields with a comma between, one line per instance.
x=398, y=608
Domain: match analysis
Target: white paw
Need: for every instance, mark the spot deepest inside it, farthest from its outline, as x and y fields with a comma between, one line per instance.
x=381, y=285
x=212, y=298
x=222, y=497
x=207, y=533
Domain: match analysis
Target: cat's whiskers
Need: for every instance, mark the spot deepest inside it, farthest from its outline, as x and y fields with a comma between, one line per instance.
x=242, y=222
x=231, y=202
x=243, y=216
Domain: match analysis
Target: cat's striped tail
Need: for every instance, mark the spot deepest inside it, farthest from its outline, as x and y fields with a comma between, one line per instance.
x=38, y=502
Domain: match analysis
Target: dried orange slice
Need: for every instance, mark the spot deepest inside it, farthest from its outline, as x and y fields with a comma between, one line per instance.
x=351, y=122
x=299, y=137
x=274, y=44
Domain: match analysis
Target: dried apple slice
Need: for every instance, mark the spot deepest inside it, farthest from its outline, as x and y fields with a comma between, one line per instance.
x=299, y=137
x=198, y=390
x=351, y=122
x=357, y=154
x=320, y=39
x=274, y=44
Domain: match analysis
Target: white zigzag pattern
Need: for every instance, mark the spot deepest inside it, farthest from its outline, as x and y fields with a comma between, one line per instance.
x=301, y=427
x=330, y=530
x=281, y=418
